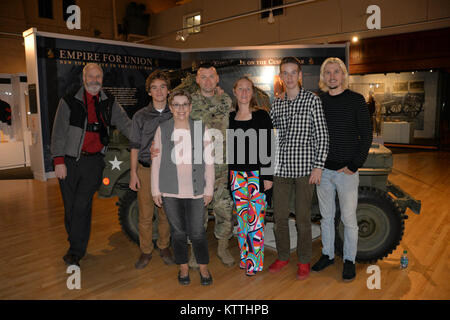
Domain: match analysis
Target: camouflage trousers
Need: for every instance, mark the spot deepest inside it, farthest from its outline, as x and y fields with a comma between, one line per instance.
x=222, y=204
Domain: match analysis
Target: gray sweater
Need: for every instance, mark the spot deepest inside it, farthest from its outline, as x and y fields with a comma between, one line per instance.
x=168, y=179
x=143, y=128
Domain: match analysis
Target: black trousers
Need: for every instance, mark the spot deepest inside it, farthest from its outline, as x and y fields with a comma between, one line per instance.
x=186, y=219
x=78, y=188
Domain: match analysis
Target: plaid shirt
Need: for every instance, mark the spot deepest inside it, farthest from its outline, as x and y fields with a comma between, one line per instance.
x=302, y=135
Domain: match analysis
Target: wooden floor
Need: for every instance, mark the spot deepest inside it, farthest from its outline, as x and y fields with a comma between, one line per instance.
x=33, y=241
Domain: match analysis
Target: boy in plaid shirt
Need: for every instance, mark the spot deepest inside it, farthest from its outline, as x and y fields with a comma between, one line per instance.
x=302, y=148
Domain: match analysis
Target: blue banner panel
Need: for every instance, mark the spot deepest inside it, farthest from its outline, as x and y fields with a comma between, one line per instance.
x=125, y=68
x=261, y=64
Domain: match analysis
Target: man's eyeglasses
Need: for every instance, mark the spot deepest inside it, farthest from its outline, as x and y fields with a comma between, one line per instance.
x=178, y=106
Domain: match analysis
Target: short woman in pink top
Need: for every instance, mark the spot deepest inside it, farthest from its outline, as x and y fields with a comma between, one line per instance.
x=183, y=182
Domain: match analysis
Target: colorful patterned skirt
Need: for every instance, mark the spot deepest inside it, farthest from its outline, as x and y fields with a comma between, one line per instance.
x=250, y=206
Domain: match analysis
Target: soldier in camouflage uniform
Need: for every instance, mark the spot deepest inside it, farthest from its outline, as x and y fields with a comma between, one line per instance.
x=213, y=109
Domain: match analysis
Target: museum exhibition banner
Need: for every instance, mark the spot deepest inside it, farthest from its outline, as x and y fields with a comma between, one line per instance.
x=261, y=64
x=55, y=63
x=60, y=61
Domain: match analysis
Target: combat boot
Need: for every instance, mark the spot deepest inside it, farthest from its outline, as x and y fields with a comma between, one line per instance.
x=224, y=253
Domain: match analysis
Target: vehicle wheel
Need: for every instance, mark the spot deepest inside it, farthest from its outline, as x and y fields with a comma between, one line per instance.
x=380, y=222
x=129, y=215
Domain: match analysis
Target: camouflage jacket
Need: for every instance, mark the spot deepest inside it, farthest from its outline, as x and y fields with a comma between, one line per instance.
x=214, y=112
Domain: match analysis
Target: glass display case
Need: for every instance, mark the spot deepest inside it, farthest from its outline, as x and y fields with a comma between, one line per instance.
x=405, y=104
x=14, y=135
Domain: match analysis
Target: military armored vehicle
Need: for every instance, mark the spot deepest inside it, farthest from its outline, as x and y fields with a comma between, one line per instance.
x=381, y=212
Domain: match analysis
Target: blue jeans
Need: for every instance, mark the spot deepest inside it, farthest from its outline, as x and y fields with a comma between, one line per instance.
x=186, y=219
x=347, y=190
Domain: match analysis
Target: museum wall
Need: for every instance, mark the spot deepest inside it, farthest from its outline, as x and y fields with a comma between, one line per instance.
x=403, y=52
x=317, y=22
x=18, y=16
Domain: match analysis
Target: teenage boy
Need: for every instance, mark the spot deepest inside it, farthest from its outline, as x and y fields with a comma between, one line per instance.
x=302, y=146
x=144, y=125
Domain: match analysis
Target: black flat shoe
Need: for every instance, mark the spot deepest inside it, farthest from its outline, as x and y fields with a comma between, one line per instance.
x=71, y=259
x=68, y=259
x=205, y=281
x=184, y=281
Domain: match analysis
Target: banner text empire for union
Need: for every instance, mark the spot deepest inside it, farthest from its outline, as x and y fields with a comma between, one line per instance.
x=103, y=57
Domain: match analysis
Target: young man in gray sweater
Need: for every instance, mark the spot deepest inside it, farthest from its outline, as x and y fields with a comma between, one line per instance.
x=144, y=125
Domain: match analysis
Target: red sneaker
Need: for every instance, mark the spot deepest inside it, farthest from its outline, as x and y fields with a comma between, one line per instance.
x=303, y=271
x=277, y=265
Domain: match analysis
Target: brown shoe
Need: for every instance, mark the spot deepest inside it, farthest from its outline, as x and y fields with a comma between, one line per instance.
x=166, y=256
x=143, y=261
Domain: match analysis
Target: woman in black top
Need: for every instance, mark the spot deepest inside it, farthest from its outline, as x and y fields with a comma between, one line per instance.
x=250, y=173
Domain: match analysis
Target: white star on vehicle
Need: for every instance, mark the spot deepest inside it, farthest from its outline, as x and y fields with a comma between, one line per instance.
x=116, y=163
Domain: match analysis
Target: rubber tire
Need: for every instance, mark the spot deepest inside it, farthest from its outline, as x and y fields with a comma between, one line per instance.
x=381, y=225
x=129, y=215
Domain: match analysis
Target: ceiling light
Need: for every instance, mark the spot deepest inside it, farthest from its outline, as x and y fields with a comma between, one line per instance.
x=271, y=18
x=355, y=39
x=182, y=35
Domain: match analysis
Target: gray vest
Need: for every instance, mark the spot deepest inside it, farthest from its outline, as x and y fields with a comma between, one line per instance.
x=168, y=180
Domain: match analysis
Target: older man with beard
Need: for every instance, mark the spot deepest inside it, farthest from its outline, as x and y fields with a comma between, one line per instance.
x=79, y=139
